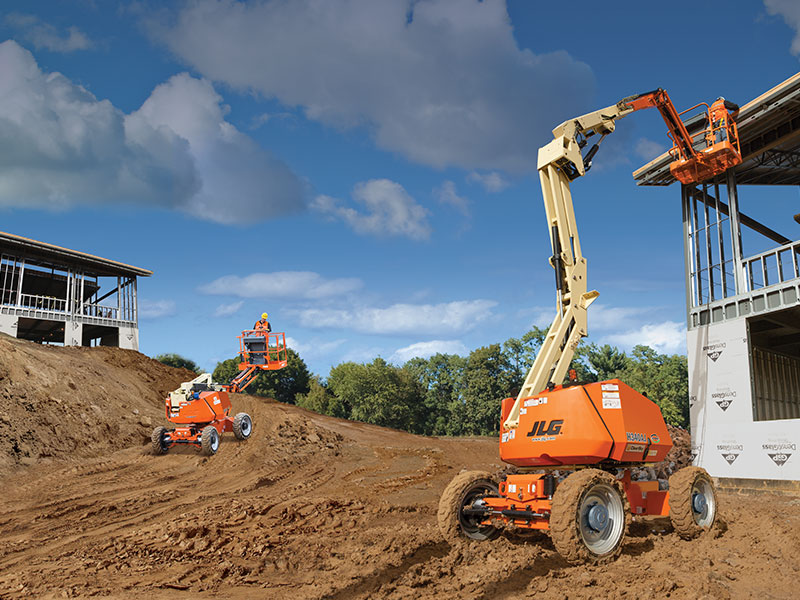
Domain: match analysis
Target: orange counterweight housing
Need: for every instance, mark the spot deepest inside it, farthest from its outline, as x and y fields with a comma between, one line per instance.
x=206, y=408
x=604, y=422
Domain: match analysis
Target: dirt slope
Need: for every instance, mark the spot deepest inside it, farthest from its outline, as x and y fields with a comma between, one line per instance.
x=314, y=507
x=75, y=402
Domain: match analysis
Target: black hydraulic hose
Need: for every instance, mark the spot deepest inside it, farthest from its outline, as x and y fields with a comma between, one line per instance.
x=557, y=259
x=522, y=514
x=587, y=160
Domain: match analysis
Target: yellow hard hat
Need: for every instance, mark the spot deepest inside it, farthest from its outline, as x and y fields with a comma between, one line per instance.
x=264, y=316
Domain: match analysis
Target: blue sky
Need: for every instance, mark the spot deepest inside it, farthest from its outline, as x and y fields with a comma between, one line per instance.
x=364, y=171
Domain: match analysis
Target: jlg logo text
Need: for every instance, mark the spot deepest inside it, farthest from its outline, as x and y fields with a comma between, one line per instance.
x=542, y=428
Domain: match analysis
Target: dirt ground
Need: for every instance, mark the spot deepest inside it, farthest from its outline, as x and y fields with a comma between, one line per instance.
x=309, y=507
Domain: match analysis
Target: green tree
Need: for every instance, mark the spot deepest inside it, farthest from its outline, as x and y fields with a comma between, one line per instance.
x=378, y=393
x=178, y=361
x=282, y=384
x=440, y=377
x=322, y=401
x=521, y=352
x=663, y=378
x=487, y=379
x=606, y=361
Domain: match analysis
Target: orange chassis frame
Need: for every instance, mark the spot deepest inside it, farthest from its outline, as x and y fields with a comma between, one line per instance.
x=526, y=503
x=208, y=408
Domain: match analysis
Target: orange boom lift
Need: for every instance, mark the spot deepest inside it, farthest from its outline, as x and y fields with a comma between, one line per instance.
x=202, y=408
x=574, y=445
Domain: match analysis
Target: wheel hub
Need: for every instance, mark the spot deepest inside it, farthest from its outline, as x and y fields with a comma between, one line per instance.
x=597, y=517
x=699, y=503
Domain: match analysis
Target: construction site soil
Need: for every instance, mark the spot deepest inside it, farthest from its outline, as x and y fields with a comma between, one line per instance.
x=309, y=507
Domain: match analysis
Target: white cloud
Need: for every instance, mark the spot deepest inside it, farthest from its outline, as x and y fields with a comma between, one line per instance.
x=45, y=35
x=426, y=349
x=314, y=347
x=790, y=11
x=648, y=149
x=493, y=182
x=667, y=337
x=281, y=284
x=226, y=310
x=60, y=146
x=443, y=82
x=446, y=194
x=155, y=309
x=388, y=210
x=421, y=319
x=615, y=317
x=241, y=182
x=264, y=118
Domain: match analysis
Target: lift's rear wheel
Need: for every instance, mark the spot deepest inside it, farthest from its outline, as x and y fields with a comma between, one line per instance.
x=242, y=426
x=158, y=441
x=209, y=440
x=692, y=502
x=589, y=517
x=466, y=492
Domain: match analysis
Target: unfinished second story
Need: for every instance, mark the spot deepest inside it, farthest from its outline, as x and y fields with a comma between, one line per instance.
x=54, y=295
x=742, y=230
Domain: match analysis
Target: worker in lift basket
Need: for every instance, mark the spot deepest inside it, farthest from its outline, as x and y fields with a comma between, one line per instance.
x=262, y=326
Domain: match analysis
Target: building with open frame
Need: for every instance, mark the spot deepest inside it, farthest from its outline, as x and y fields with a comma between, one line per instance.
x=50, y=294
x=743, y=300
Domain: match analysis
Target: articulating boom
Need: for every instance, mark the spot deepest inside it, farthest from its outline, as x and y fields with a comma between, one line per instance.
x=696, y=157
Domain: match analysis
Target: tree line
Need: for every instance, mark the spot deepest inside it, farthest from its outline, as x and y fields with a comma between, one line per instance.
x=448, y=394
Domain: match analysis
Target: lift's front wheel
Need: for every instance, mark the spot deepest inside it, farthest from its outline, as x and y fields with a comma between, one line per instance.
x=158, y=441
x=242, y=426
x=589, y=517
x=692, y=502
x=209, y=440
x=461, y=505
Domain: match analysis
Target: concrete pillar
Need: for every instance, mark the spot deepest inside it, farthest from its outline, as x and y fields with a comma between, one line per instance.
x=8, y=324
x=73, y=333
x=129, y=338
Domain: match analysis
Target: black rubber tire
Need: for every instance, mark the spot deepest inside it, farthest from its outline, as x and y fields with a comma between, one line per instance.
x=209, y=440
x=565, y=518
x=463, y=490
x=158, y=444
x=682, y=485
x=242, y=426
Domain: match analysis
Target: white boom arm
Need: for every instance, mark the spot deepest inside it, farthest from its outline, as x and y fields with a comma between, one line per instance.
x=560, y=162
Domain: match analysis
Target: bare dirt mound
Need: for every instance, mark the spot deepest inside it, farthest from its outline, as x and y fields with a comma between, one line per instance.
x=312, y=507
x=60, y=402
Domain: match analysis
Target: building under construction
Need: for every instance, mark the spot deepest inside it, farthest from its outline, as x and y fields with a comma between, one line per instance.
x=54, y=295
x=743, y=298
